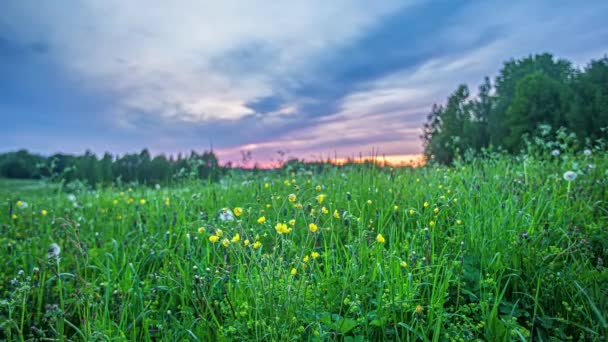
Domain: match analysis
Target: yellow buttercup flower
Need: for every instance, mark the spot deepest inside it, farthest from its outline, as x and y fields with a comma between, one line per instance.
x=306, y=258
x=320, y=198
x=214, y=238
x=219, y=232
x=314, y=255
x=225, y=242
x=236, y=238
x=412, y=211
x=238, y=211
x=142, y=201
x=262, y=219
x=336, y=214
x=426, y=204
x=292, y=197
x=282, y=228
x=313, y=227
x=201, y=230
x=458, y=221
x=396, y=207
x=324, y=211
x=43, y=212
x=294, y=271
x=436, y=210
x=432, y=223
x=318, y=188
x=266, y=185
x=403, y=264
x=292, y=222
x=246, y=243
x=257, y=245
x=369, y=201
x=380, y=238
x=14, y=216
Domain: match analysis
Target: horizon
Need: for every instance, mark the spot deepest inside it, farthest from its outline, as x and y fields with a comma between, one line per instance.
x=312, y=79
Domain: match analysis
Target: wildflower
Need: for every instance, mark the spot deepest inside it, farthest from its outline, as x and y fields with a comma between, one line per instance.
x=570, y=176
x=281, y=228
x=21, y=204
x=14, y=216
x=142, y=201
x=219, y=232
x=294, y=271
x=403, y=264
x=201, y=230
x=292, y=222
x=555, y=153
x=336, y=214
x=455, y=200
x=312, y=227
x=436, y=210
x=412, y=211
x=167, y=201
x=587, y=152
x=396, y=207
x=226, y=215
x=380, y=238
x=286, y=182
x=458, y=222
x=257, y=245
x=43, y=212
x=314, y=255
x=214, y=238
x=318, y=188
x=426, y=204
x=238, y=211
x=236, y=238
x=369, y=201
x=262, y=219
x=306, y=258
x=225, y=242
x=266, y=185
x=71, y=198
x=324, y=211
x=419, y=309
x=53, y=251
x=432, y=223
x=246, y=243
x=292, y=197
x=320, y=198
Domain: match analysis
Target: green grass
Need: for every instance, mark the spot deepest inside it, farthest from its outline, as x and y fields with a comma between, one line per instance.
x=512, y=252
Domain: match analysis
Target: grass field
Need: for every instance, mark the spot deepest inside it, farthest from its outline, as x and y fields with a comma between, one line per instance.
x=496, y=250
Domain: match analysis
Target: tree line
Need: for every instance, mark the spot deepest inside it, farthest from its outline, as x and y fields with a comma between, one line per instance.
x=528, y=92
x=136, y=167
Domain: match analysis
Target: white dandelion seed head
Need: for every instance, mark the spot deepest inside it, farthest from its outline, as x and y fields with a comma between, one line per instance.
x=53, y=251
x=591, y=166
x=22, y=205
x=157, y=186
x=226, y=215
x=555, y=153
x=570, y=175
x=587, y=152
x=71, y=198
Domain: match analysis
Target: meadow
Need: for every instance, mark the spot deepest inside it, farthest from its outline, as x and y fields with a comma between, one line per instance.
x=499, y=248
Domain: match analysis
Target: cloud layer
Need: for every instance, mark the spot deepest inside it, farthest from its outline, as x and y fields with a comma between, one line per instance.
x=309, y=77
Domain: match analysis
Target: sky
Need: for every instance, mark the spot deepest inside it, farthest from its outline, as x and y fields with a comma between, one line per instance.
x=314, y=79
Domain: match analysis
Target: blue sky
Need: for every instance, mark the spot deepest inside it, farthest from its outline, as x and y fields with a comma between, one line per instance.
x=313, y=78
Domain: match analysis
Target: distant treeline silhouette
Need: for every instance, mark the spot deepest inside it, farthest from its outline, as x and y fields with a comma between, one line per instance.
x=136, y=167
x=536, y=90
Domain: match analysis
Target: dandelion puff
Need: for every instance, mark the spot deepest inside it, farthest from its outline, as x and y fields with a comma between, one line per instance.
x=587, y=152
x=570, y=176
x=555, y=153
x=72, y=198
x=22, y=204
x=226, y=215
x=53, y=251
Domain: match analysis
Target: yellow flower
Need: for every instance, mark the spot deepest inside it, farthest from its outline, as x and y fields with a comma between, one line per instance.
x=238, y=211
x=369, y=201
x=318, y=188
x=236, y=238
x=324, y=211
x=432, y=223
x=14, y=217
x=426, y=204
x=313, y=227
x=412, y=211
x=262, y=219
x=292, y=197
x=282, y=228
x=246, y=243
x=225, y=242
x=294, y=271
x=201, y=230
x=458, y=221
x=442, y=197
x=214, y=238
x=403, y=264
x=396, y=207
x=336, y=214
x=286, y=182
x=320, y=198
x=419, y=309
x=314, y=255
x=142, y=201
x=292, y=222
x=380, y=238
x=43, y=212
x=257, y=245
x=19, y=204
x=219, y=233
x=266, y=185
x=130, y=200
x=167, y=201
x=440, y=186
x=455, y=200
x=436, y=210
x=306, y=258
x=267, y=205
